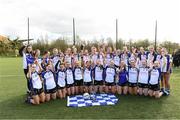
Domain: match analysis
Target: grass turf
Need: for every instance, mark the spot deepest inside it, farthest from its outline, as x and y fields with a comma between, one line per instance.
x=12, y=94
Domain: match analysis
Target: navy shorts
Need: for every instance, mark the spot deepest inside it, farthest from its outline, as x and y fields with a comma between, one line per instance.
x=155, y=87
x=109, y=84
x=132, y=84
x=141, y=85
x=37, y=91
x=79, y=82
x=98, y=82
x=123, y=84
x=60, y=88
x=87, y=83
x=69, y=85
x=50, y=91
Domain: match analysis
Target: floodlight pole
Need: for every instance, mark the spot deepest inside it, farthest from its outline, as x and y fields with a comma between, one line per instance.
x=74, y=36
x=28, y=30
x=155, y=42
x=116, y=32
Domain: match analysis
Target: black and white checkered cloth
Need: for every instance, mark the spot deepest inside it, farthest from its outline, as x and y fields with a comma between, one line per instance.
x=100, y=100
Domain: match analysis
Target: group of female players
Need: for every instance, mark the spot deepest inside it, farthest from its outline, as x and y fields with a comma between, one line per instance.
x=100, y=70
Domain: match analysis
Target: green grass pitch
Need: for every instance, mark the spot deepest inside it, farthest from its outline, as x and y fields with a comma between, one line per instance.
x=12, y=94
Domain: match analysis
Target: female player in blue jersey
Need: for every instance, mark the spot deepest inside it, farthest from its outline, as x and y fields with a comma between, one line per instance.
x=143, y=78
x=132, y=77
x=27, y=53
x=38, y=95
x=154, y=81
x=61, y=81
x=110, y=76
x=49, y=82
x=122, y=79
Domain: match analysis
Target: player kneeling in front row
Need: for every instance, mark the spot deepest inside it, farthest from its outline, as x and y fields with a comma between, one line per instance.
x=78, y=78
x=49, y=82
x=154, y=82
x=69, y=79
x=61, y=81
x=133, y=77
x=98, y=77
x=122, y=79
x=37, y=88
x=88, y=77
x=110, y=76
x=143, y=79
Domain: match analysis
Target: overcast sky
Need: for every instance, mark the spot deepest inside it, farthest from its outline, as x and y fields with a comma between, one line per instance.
x=94, y=18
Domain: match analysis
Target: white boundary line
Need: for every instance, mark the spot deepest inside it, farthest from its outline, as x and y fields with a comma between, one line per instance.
x=2, y=76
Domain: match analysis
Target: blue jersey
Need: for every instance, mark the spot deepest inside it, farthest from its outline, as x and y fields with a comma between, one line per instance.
x=123, y=76
x=30, y=59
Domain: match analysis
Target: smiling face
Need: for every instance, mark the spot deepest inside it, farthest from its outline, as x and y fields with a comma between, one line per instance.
x=163, y=52
x=29, y=48
x=141, y=49
x=88, y=64
x=55, y=51
x=144, y=63
x=151, y=49
x=132, y=63
x=62, y=66
x=156, y=64
x=111, y=63
x=33, y=67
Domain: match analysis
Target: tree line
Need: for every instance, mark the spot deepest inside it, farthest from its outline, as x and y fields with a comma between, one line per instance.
x=43, y=44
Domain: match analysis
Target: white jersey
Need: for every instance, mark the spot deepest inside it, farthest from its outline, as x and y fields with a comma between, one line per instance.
x=101, y=58
x=55, y=59
x=158, y=58
x=116, y=60
x=154, y=76
x=78, y=73
x=110, y=74
x=133, y=75
x=61, y=77
x=143, y=75
x=68, y=59
x=36, y=81
x=164, y=64
x=39, y=60
x=150, y=59
x=98, y=73
x=87, y=75
x=86, y=58
x=24, y=61
x=108, y=59
x=125, y=57
x=69, y=76
x=49, y=80
x=94, y=58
